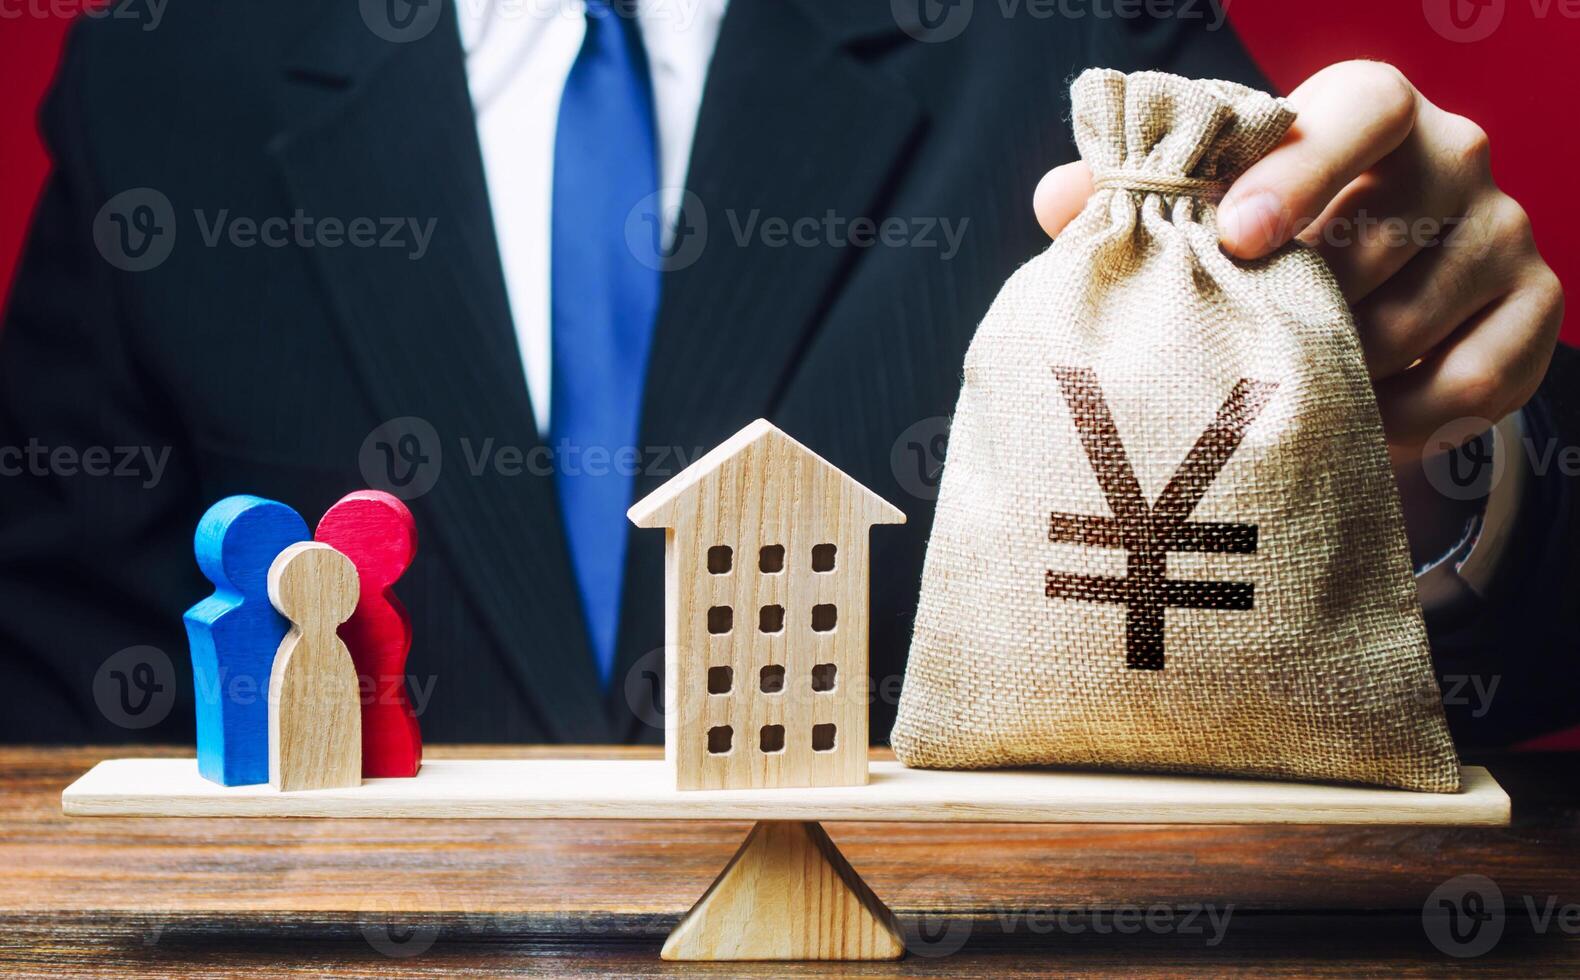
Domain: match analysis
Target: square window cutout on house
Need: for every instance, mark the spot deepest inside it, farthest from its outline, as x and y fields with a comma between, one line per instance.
x=771, y=559
x=822, y=738
x=771, y=679
x=772, y=738
x=824, y=676
x=722, y=679
x=720, y=738
x=721, y=619
x=823, y=558
x=824, y=616
x=771, y=619
x=721, y=558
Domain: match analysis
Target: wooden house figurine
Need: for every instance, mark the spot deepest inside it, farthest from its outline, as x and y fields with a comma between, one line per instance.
x=766, y=610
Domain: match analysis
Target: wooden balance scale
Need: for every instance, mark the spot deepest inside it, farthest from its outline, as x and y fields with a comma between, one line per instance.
x=767, y=721
x=788, y=893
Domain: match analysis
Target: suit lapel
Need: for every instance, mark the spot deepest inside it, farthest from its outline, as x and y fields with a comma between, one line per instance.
x=793, y=125
x=386, y=130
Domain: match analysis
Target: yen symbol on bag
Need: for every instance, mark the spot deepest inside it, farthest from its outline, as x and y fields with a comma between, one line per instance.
x=1149, y=532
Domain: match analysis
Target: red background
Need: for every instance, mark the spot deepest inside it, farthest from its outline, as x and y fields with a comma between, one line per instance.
x=1518, y=83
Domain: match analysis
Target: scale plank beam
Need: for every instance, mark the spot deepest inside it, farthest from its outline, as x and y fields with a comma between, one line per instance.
x=645, y=790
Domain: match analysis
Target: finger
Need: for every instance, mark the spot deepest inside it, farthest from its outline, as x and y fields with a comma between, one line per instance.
x=1411, y=200
x=1366, y=235
x=1350, y=116
x=1443, y=287
x=1490, y=367
x=1060, y=196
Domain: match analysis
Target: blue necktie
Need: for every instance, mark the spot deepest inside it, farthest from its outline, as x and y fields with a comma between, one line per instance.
x=603, y=304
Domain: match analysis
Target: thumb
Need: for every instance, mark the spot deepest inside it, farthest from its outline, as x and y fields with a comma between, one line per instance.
x=1060, y=196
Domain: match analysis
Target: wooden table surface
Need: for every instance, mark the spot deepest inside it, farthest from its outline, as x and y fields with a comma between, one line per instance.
x=233, y=897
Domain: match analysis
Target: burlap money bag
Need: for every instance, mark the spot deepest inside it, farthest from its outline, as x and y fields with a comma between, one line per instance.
x=1167, y=534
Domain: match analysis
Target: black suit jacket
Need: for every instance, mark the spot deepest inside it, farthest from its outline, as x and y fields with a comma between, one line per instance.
x=264, y=369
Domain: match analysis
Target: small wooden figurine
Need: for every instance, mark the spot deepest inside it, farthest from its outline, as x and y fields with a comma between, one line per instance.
x=766, y=594
x=315, y=719
x=234, y=634
x=376, y=531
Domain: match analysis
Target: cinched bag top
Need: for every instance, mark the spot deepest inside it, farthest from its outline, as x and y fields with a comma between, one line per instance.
x=1152, y=131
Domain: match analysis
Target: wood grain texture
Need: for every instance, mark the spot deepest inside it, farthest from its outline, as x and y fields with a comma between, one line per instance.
x=131, y=897
x=315, y=720
x=235, y=633
x=624, y=789
x=787, y=894
x=766, y=588
x=377, y=532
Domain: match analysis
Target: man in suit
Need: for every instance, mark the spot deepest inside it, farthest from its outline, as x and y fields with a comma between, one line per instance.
x=520, y=265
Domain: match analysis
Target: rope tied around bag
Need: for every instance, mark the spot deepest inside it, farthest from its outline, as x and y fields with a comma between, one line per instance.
x=1208, y=190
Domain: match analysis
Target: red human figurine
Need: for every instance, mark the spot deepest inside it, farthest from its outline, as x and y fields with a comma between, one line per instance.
x=378, y=534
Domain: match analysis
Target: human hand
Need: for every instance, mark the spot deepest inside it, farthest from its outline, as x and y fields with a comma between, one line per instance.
x=1456, y=310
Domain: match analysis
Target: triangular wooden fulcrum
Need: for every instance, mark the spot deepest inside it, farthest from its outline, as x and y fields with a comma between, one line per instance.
x=788, y=894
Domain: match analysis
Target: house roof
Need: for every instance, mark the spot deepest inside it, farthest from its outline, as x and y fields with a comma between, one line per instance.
x=655, y=510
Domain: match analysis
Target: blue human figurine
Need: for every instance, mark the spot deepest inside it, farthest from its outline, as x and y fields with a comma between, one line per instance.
x=235, y=633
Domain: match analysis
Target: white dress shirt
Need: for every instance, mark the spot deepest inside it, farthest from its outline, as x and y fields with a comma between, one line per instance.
x=518, y=55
